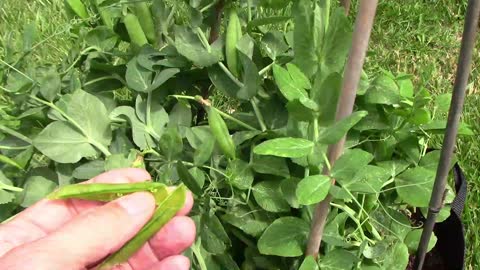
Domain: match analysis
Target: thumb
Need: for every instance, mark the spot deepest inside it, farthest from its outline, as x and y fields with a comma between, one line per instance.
x=92, y=235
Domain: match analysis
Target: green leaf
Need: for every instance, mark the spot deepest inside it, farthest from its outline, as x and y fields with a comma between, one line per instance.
x=285, y=237
x=63, y=143
x=102, y=37
x=239, y=174
x=9, y=161
x=413, y=239
x=140, y=135
x=333, y=134
x=222, y=81
x=405, y=86
x=442, y=103
x=202, y=140
x=309, y=264
x=420, y=116
x=369, y=179
x=6, y=197
x=383, y=90
x=338, y=259
x=268, y=196
x=266, y=20
x=326, y=94
x=397, y=259
x=188, y=179
x=35, y=189
x=242, y=218
x=270, y=165
x=89, y=169
x=161, y=77
x=274, y=44
x=138, y=78
x=414, y=186
x=181, y=116
x=336, y=44
x=50, y=83
x=198, y=175
x=298, y=76
x=288, y=188
x=214, y=238
x=189, y=45
x=304, y=45
x=439, y=126
x=313, y=189
x=66, y=143
x=285, y=147
x=171, y=144
x=332, y=234
x=119, y=161
x=350, y=163
x=251, y=79
x=243, y=136
x=289, y=88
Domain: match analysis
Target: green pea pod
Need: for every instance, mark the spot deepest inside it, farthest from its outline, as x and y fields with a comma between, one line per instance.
x=108, y=192
x=142, y=10
x=78, y=7
x=220, y=132
x=134, y=29
x=164, y=212
x=233, y=35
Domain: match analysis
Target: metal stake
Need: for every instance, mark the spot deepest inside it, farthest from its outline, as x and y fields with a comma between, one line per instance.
x=456, y=107
x=356, y=58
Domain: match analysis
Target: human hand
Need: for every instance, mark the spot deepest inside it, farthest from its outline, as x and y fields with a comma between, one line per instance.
x=77, y=234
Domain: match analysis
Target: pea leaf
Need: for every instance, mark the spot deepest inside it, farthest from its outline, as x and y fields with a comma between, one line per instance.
x=298, y=77
x=189, y=45
x=289, y=88
x=414, y=186
x=274, y=44
x=239, y=174
x=188, y=179
x=171, y=144
x=141, y=137
x=285, y=147
x=383, y=90
x=35, y=189
x=338, y=259
x=138, y=78
x=397, y=259
x=350, y=163
x=288, y=187
x=89, y=169
x=326, y=94
x=268, y=196
x=202, y=140
x=309, y=264
x=284, y=237
x=313, y=189
x=413, y=239
x=334, y=133
x=88, y=130
x=251, y=79
x=270, y=165
x=222, y=81
x=304, y=45
x=214, y=238
x=50, y=83
x=243, y=219
x=368, y=179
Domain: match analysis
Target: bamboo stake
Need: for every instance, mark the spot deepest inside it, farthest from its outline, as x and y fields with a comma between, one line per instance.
x=361, y=36
x=456, y=107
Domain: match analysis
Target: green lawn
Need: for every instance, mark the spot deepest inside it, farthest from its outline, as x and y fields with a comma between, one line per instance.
x=417, y=37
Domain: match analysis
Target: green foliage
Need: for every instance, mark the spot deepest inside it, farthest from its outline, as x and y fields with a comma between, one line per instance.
x=125, y=96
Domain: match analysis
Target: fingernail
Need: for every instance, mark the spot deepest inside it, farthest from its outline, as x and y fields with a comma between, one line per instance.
x=137, y=203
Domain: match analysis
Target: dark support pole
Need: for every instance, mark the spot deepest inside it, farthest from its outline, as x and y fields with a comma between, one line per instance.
x=456, y=107
x=346, y=5
x=356, y=58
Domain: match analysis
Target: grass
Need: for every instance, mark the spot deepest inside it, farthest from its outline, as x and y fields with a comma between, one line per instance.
x=417, y=37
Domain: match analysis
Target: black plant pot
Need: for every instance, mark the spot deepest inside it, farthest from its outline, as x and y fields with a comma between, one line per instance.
x=449, y=252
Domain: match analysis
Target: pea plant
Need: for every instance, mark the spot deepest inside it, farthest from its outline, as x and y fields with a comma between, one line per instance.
x=236, y=101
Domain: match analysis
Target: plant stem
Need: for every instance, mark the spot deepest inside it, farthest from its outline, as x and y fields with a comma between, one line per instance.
x=10, y=188
x=148, y=115
x=230, y=75
x=258, y=113
x=266, y=69
x=198, y=256
x=249, y=7
x=203, y=39
x=233, y=119
x=15, y=134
